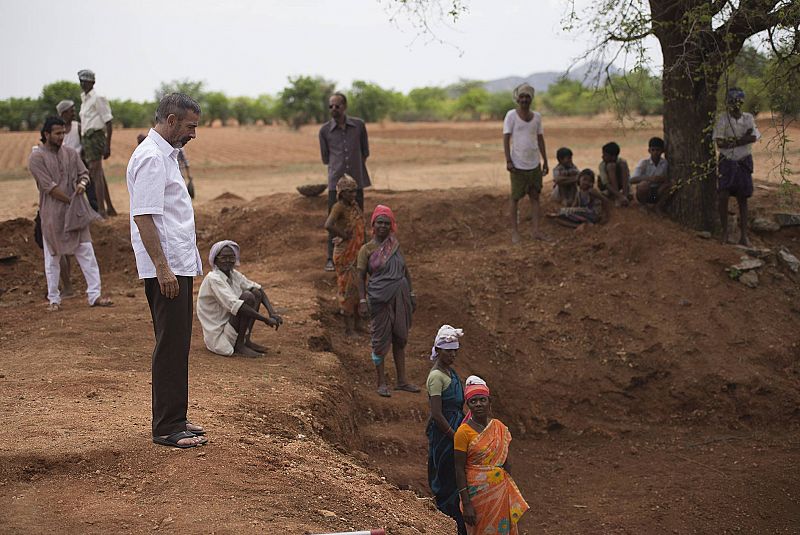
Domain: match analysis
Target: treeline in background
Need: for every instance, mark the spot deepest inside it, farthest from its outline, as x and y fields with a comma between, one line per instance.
x=769, y=86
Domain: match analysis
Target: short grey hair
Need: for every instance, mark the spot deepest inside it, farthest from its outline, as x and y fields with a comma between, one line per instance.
x=176, y=104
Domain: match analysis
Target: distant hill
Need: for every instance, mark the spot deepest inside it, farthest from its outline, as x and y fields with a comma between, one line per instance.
x=587, y=73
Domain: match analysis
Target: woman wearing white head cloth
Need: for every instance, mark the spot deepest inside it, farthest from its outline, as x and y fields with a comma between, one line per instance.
x=228, y=303
x=446, y=402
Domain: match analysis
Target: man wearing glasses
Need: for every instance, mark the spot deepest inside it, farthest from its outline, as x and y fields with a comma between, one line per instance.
x=344, y=147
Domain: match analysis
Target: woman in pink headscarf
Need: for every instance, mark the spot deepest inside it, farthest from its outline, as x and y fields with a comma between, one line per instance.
x=490, y=500
x=388, y=297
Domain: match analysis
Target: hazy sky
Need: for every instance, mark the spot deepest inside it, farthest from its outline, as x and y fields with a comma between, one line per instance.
x=248, y=47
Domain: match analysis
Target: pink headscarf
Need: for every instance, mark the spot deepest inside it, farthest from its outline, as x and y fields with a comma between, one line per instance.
x=386, y=211
x=475, y=386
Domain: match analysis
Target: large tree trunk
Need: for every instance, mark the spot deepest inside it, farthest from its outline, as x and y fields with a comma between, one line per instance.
x=690, y=85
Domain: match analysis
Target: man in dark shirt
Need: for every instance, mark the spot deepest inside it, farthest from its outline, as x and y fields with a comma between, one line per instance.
x=344, y=147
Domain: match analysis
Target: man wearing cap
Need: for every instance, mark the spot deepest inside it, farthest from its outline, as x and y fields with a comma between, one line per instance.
x=344, y=147
x=735, y=133
x=96, y=131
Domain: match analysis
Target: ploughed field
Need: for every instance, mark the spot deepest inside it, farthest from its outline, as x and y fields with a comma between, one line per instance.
x=645, y=389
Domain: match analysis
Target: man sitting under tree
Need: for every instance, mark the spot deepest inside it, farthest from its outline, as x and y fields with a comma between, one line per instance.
x=228, y=303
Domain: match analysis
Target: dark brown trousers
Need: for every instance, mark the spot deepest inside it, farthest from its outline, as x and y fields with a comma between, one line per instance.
x=172, y=323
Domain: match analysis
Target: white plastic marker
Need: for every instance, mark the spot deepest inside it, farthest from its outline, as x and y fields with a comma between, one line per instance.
x=380, y=531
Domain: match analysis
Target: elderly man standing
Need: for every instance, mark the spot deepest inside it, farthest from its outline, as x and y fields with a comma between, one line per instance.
x=61, y=178
x=163, y=240
x=96, y=131
x=344, y=147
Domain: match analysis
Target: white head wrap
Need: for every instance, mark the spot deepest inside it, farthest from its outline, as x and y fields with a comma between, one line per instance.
x=217, y=247
x=523, y=89
x=474, y=380
x=446, y=338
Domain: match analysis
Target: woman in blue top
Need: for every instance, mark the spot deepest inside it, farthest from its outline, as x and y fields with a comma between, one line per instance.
x=446, y=397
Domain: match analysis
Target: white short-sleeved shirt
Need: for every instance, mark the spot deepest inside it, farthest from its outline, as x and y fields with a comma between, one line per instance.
x=729, y=127
x=95, y=112
x=524, y=139
x=218, y=300
x=647, y=168
x=156, y=187
x=72, y=139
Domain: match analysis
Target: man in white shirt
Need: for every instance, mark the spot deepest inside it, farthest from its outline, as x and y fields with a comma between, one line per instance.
x=651, y=176
x=96, y=129
x=735, y=133
x=228, y=303
x=164, y=243
x=66, y=110
x=526, y=157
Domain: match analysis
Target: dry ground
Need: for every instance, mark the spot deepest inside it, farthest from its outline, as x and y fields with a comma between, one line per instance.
x=646, y=391
x=253, y=161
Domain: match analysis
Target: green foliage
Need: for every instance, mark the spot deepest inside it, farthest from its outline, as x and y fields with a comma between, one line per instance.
x=305, y=100
x=215, y=107
x=637, y=91
x=425, y=104
x=22, y=114
x=371, y=102
x=498, y=104
x=471, y=104
x=748, y=73
x=194, y=88
x=133, y=114
x=782, y=88
x=54, y=93
x=570, y=97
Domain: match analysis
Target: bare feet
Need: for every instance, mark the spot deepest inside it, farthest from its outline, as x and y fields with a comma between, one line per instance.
x=255, y=347
x=245, y=351
x=53, y=307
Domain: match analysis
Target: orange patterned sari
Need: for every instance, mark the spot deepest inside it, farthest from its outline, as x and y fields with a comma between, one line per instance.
x=494, y=495
x=345, y=255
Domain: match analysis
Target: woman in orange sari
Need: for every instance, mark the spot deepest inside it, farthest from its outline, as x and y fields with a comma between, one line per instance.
x=490, y=500
x=346, y=223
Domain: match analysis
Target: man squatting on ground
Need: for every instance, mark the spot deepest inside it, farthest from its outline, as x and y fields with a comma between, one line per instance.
x=344, y=147
x=96, y=129
x=164, y=242
x=735, y=133
x=66, y=215
x=228, y=303
x=526, y=156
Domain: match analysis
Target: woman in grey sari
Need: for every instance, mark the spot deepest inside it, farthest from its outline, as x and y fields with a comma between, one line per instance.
x=388, y=297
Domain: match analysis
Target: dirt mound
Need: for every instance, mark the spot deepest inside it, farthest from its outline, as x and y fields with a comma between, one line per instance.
x=643, y=386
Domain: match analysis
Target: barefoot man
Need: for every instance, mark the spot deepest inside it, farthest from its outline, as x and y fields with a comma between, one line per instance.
x=96, y=131
x=526, y=157
x=735, y=133
x=228, y=303
x=164, y=242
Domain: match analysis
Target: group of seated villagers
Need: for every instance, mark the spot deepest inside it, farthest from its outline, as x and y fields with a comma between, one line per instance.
x=583, y=203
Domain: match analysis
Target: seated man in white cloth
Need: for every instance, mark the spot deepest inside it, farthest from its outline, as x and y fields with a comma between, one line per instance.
x=228, y=304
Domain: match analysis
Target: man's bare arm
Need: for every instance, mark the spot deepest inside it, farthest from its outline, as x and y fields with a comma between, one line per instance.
x=152, y=244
